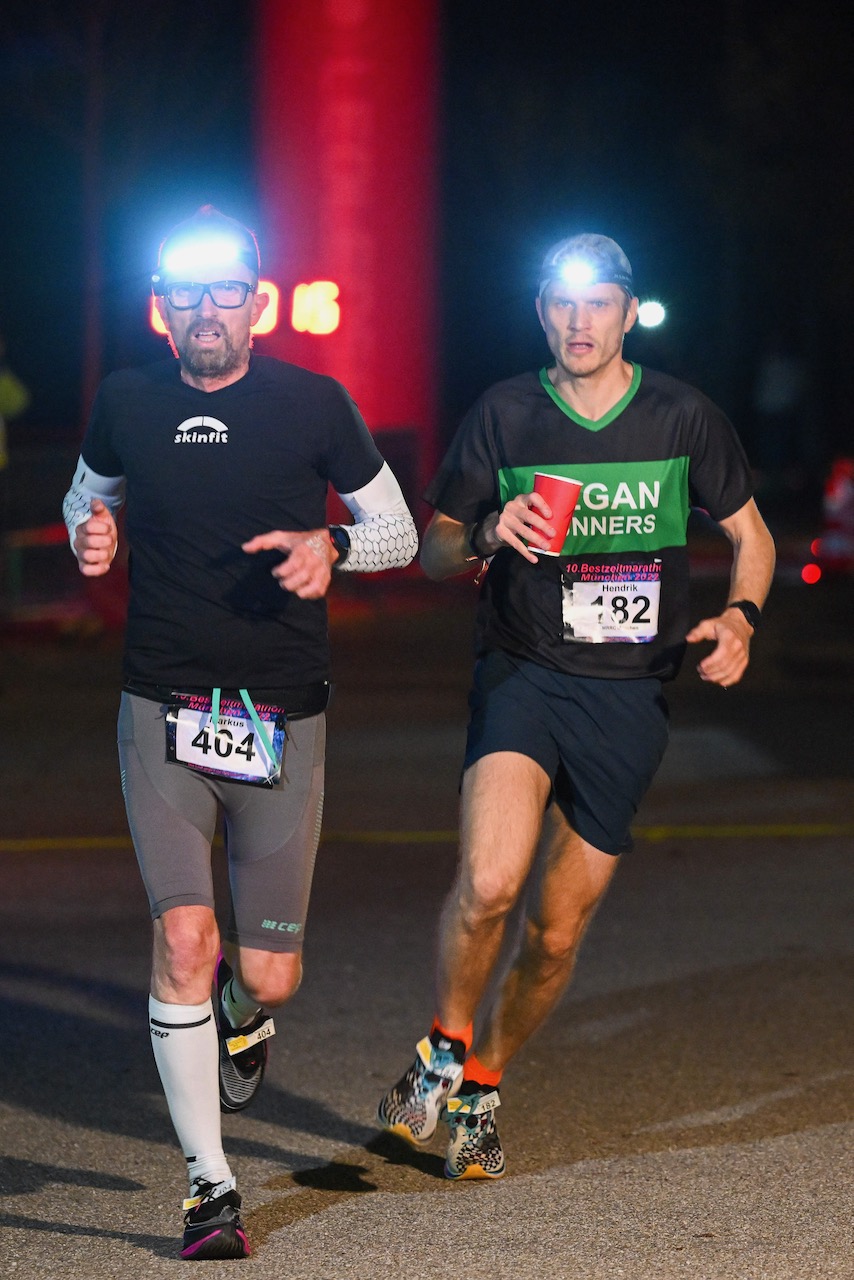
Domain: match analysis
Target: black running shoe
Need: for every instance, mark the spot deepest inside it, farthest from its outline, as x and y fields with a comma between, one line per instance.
x=212, y=1226
x=242, y=1051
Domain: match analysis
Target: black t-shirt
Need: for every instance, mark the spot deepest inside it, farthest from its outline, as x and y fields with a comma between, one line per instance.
x=614, y=603
x=205, y=472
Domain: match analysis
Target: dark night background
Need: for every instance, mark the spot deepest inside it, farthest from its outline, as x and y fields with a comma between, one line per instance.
x=713, y=142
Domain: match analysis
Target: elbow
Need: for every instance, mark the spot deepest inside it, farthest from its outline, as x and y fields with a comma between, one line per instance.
x=409, y=547
x=429, y=562
x=430, y=567
x=435, y=562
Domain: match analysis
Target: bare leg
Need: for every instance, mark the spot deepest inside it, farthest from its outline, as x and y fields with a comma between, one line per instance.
x=573, y=879
x=186, y=943
x=503, y=799
x=184, y=1029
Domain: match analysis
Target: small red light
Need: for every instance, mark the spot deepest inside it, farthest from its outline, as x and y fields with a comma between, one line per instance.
x=810, y=573
x=815, y=547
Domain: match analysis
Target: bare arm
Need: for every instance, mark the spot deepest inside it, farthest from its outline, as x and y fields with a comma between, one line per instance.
x=752, y=570
x=447, y=548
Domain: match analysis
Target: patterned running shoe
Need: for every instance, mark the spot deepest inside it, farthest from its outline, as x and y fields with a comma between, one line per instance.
x=474, y=1150
x=412, y=1108
x=212, y=1226
x=242, y=1051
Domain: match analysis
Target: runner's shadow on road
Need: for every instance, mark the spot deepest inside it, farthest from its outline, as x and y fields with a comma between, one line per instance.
x=22, y=1177
x=382, y=1165
x=160, y=1246
x=96, y=1031
x=339, y=1176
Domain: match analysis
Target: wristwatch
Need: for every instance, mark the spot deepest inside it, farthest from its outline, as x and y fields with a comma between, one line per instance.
x=341, y=542
x=477, y=554
x=751, y=611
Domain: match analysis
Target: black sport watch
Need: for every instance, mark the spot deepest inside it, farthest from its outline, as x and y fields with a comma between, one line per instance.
x=751, y=611
x=341, y=542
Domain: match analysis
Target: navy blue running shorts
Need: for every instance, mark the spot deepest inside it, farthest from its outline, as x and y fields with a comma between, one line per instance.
x=599, y=741
x=271, y=834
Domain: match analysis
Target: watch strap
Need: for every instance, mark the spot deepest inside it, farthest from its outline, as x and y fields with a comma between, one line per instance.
x=477, y=554
x=340, y=541
x=751, y=611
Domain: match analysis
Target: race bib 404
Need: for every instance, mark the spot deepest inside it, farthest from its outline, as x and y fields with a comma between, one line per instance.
x=237, y=750
x=615, y=602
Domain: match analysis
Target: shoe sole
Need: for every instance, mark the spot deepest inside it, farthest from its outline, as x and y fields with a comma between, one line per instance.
x=403, y=1131
x=234, y=1091
x=475, y=1171
x=219, y=1244
x=244, y=1090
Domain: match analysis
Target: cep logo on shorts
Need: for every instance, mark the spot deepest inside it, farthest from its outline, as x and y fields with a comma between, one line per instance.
x=281, y=926
x=201, y=430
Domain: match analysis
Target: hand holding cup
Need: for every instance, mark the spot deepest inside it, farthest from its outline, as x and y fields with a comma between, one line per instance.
x=561, y=493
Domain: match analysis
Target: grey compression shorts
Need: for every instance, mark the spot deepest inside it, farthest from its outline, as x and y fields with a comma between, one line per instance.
x=271, y=833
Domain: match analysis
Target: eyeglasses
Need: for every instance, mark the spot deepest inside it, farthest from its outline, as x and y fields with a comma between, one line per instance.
x=187, y=294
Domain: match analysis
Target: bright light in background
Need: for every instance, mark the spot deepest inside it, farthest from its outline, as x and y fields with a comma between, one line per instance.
x=267, y=323
x=651, y=314
x=810, y=574
x=314, y=308
x=270, y=314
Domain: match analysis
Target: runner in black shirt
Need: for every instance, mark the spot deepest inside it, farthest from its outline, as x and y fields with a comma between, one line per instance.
x=568, y=723
x=225, y=458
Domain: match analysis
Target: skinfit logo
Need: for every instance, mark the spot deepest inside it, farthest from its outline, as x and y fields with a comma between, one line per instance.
x=202, y=430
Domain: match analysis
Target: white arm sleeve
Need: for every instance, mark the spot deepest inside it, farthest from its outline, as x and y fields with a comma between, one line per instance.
x=384, y=534
x=86, y=485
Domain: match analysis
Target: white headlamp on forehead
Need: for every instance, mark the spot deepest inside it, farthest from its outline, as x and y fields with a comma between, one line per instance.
x=586, y=260
x=577, y=273
x=209, y=243
x=207, y=253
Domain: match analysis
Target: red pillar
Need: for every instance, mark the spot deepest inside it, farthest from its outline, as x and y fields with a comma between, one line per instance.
x=347, y=143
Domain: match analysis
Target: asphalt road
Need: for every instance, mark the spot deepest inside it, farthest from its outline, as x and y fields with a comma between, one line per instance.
x=687, y=1112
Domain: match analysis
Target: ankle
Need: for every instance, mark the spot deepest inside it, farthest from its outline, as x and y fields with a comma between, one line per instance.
x=211, y=1168
x=478, y=1076
x=456, y=1042
x=239, y=1008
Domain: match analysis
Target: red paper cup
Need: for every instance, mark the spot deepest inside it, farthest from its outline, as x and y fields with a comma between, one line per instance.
x=561, y=494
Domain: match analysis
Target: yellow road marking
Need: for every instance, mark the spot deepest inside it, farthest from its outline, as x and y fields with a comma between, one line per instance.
x=651, y=835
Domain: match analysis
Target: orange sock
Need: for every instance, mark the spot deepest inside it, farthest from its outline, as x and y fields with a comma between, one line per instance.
x=477, y=1073
x=464, y=1036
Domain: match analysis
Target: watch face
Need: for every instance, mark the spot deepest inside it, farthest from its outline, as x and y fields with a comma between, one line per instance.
x=340, y=541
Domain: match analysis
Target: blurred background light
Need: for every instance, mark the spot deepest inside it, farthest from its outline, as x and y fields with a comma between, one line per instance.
x=651, y=314
x=315, y=308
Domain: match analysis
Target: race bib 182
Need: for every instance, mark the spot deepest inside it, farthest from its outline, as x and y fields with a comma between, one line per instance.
x=613, y=602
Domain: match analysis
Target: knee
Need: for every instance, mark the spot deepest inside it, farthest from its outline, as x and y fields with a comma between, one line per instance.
x=270, y=977
x=186, y=945
x=553, y=949
x=486, y=899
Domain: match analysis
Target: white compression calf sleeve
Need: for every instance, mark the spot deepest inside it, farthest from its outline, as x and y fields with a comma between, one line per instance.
x=186, y=1050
